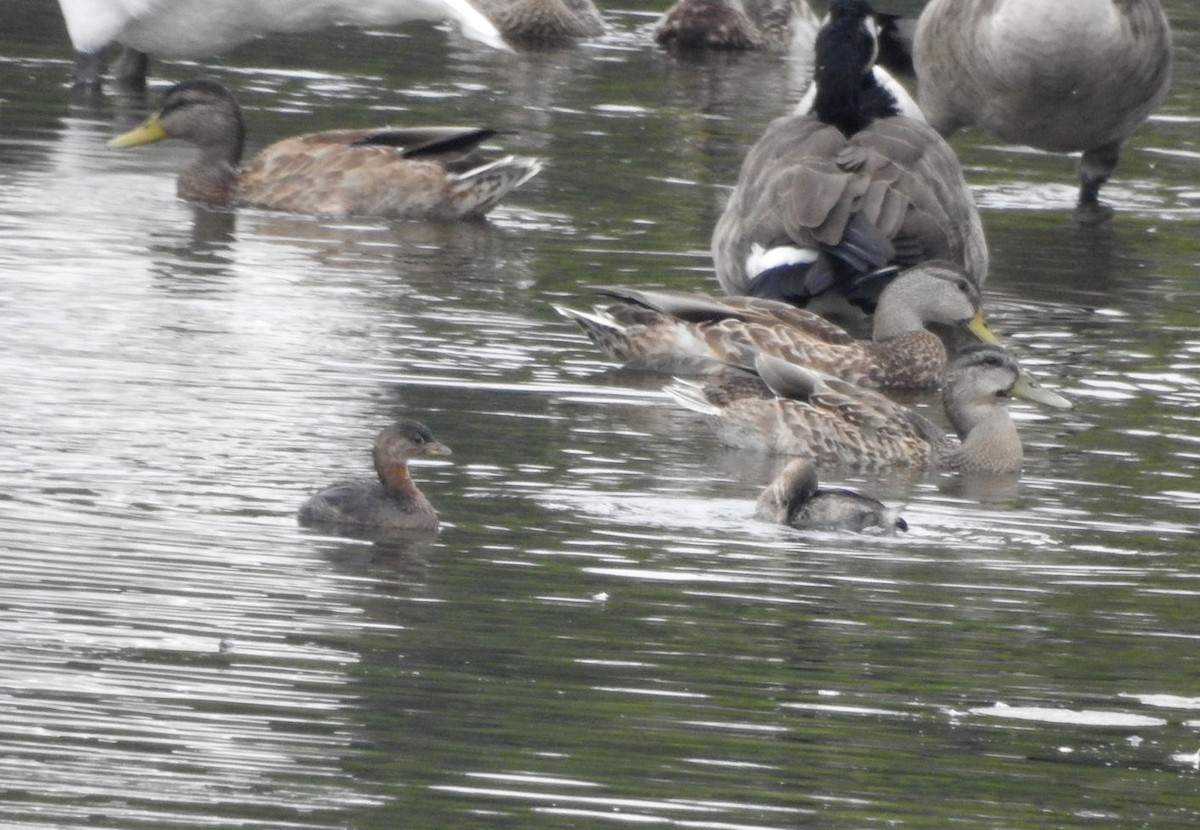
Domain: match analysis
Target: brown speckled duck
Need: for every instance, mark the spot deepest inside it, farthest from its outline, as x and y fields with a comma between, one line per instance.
x=685, y=334
x=795, y=499
x=418, y=173
x=792, y=410
x=392, y=503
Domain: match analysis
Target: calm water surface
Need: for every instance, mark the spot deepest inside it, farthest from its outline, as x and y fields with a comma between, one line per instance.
x=602, y=635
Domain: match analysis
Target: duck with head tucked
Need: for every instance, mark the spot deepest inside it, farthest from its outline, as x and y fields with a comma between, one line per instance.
x=732, y=25
x=544, y=21
x=828, y=203
x=795, y=499
x=1063, y=76
x=687, y=334
x=791, y=410
x=393, y=502
x=414, y=173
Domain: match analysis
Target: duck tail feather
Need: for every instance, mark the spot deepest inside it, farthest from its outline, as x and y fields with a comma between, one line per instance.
x=487, y=184
x=691, y=308
x=794, y=283
x=691, y=395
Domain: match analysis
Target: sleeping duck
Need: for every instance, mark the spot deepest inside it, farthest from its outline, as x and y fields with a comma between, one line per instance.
x=769, y=25
x=831, y=202
x=792, y=410
x=416, y=173
x=1066, y=76
x=679, y=333
x=544, y=20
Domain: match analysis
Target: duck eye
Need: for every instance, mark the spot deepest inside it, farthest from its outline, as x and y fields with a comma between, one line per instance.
x=962, y=286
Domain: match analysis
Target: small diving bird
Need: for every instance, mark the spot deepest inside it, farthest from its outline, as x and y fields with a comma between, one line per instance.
x=791, y=410
x=1063, y=76
x=830, y=203
x=393, y=502
x=412, y=173
x=768, y=25
x=795, y=499
x=691, y=334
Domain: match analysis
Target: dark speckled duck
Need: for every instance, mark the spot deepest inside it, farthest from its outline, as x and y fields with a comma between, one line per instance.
x=534, y=21
x=769, y=25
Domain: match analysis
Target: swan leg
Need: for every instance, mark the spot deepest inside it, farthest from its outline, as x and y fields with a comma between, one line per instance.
x=87, y=72
x=1096, y=165
x=131, y=68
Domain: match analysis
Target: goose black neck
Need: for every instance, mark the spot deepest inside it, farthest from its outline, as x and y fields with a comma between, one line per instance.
x=848, y=96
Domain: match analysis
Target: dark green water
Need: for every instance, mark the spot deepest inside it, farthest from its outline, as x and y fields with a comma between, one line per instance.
x=602, y=635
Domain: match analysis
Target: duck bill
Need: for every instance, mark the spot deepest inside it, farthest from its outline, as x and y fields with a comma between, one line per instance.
x=979, y=328
x=149, y=130
x=1028, y=389
x=437, y=448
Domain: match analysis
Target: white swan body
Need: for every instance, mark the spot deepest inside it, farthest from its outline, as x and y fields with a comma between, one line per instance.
x=187, y=29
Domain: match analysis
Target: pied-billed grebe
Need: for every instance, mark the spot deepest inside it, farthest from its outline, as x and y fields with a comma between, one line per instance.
x=828, y=202
x=1067, y=76
x=416, y=173
x=795, y=498
x=796, y=411
x=693, y=334
x=393, y=502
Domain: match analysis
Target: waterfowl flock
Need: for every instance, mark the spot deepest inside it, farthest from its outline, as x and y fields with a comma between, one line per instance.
x=852, y=209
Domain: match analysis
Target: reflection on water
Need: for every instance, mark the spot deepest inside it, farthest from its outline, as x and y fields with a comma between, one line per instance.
x=602, y=632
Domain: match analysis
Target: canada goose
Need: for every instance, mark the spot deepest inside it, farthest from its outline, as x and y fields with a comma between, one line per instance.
x=188, y=29
x=795, y=498
x=772, y=25
x=544, y=20
x=693, y=334
x=425, y=173
x=1063, y=76
x=792, y=410
x=828, y=203
x=393, y=502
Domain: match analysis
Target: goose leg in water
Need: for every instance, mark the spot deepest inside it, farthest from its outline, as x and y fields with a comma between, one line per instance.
x=1095, y=166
